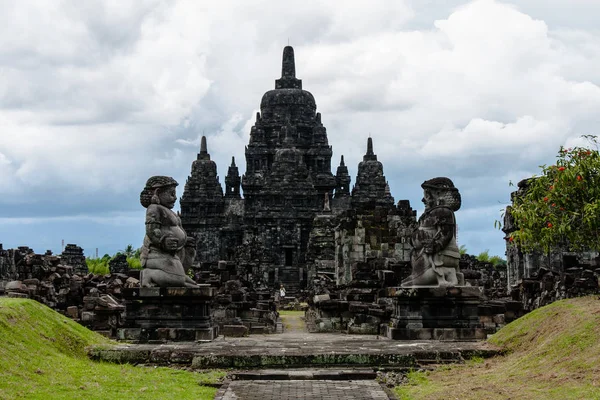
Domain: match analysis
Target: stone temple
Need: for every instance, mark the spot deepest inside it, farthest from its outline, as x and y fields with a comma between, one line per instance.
x=286, y=227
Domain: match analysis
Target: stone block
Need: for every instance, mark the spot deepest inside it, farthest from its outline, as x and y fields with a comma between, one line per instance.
x=15, y=285
x=149, y=292
x=207, y=334
x=321, y=297
x=73, y=312
x=445, y=334
x=234, y=331
x=87, y=316
x=17, y=295
x=129, y=333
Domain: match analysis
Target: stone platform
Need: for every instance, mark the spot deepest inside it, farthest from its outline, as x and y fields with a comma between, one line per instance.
x=435, y=313
x=168, y=314
x=290, y=350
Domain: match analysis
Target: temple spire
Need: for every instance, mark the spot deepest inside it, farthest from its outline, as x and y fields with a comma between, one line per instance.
x=370, y=156
x=288, y=78
x=342, y=164
x=203, y=155
x=233, y=161
x=288, y=65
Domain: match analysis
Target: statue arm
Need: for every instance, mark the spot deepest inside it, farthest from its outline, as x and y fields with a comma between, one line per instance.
x=446, y=225
x=154, y=225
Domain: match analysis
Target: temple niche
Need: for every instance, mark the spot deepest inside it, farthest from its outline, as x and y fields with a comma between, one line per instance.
x=300, y=219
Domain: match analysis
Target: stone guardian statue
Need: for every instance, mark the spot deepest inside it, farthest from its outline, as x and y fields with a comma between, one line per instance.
x=167, y=251
x=435, y=254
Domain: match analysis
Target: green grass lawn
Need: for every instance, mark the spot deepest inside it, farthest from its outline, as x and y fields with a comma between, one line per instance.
x=553, y=353
x=42, y=356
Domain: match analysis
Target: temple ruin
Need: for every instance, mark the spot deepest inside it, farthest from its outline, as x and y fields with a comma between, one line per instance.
x=284, y=228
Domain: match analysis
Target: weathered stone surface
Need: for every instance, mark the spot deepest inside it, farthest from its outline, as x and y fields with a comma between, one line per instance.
x=73, y=255
x=118, y=264
x=168, y=314
x=299, y=350
x=436, y=313
x=234, y=330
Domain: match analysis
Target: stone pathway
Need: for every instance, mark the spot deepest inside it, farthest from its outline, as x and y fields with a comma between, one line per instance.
x=303, y=390
x=293, y=322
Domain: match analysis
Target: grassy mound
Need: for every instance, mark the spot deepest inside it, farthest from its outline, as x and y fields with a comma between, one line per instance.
x=42, y=356
x=553, y=353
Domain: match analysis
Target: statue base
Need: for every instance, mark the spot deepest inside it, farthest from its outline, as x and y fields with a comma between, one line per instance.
x=168, y=314
x=435, y=313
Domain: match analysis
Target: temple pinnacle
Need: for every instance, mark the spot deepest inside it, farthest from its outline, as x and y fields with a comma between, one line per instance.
x=342, y=161
x=203, y=147
x=370, y=147
x=203, y=155
x=233, y=161
x=288, y=65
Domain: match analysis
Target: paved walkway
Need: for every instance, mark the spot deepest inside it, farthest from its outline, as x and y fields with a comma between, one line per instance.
x=303, y=390
x=293, y=322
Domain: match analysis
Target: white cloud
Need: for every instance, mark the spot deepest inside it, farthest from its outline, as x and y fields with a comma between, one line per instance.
x=96, y=96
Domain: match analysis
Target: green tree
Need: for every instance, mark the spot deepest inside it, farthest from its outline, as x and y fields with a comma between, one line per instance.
x=128, y=251
x=462, y=249
x=561, y=207
x=497, y=260
x=484, y=256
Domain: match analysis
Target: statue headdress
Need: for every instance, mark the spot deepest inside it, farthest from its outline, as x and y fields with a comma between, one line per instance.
x=148, y=195
x=449, y=196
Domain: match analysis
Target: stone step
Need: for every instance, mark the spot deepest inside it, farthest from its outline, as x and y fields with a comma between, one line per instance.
x=306, y=374
x=279, y=327
x=252, y=357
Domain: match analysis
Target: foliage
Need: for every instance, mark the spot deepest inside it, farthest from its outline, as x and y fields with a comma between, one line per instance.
x=561, y=207
x=497, y=260
x=43, y=357
x=134, y=262
x=128, y=251
x=552, y=353
x=484, y=256
x=462, y=249
x=98, y=266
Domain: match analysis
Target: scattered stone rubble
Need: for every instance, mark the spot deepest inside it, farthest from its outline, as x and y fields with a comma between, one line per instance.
x=240, y=307
x=92, y=300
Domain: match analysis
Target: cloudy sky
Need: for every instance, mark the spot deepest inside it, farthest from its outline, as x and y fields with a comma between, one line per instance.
x=97, y=96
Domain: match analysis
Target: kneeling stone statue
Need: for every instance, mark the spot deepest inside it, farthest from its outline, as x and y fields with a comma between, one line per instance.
x=435, y=253
x=167, y=251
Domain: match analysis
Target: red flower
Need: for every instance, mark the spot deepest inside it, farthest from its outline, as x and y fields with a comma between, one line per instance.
x=510, y=239
x=579, y=178
x=553, y=205
x=549, y=225
x=562, y=209
x=561, y=169
x=545, y=199
x=551, y=187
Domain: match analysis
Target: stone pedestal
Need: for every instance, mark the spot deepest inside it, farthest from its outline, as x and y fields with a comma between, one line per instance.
x=435, y=313
x=168, y=314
